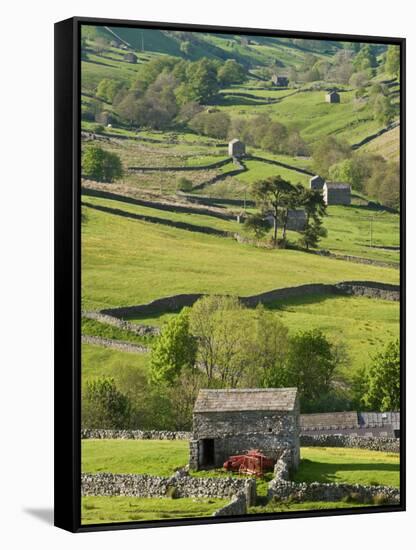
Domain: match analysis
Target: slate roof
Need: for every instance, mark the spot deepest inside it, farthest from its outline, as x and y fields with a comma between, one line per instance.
x=348, y=419
x=336, y=185
x=271, y=399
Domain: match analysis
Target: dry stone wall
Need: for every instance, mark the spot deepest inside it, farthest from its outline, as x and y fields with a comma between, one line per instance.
x=180, y=485
x=281, y=488
x=178, y=301
x=386, y=444
x=140, y=330
x=114, y=344
x=133, y=434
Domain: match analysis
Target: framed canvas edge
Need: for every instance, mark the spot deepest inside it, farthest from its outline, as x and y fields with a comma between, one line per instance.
x=67, y=287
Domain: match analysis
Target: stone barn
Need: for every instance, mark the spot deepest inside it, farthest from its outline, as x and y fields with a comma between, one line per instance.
x=316, y=183
x=130, y=57
x=236, y=148
x=280, y=81
x=229, y=422
x=332, y=97
x=337, y=193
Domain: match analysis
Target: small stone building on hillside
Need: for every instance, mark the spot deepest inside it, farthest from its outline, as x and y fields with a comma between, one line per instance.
x=337, y=193
x=316, y=183
x=236, y=148
x=280, y=81
x=229, y=422
x=332, y=97
x=130, y=57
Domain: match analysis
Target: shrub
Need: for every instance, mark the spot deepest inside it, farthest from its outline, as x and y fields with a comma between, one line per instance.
x=184, y=184
x=104, y=406
x=101, y=165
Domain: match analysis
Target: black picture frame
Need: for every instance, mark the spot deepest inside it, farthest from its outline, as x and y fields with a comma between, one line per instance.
x=68, y=272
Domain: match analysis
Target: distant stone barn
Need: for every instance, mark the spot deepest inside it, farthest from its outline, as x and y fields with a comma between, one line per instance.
x=130, y=57
x=280, y=81
x=332, y=97
x=316, y=183
x=236, y=148
x=337, y=193
x=229, y=422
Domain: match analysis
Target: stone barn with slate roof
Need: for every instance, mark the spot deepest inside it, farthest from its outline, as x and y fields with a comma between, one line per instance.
x=280, y=81
x=229, y=422
x=332, y=97
x=337, y=193
x=316, y=183
x=236, y=148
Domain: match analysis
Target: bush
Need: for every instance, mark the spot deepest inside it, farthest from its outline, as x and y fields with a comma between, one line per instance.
x=98, y=128
x=103, y=406
x=184, y=184
x=101, y=165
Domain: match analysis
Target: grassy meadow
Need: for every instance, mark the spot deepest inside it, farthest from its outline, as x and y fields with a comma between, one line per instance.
x=133, y=254
x=120, y=509
x=127, y=262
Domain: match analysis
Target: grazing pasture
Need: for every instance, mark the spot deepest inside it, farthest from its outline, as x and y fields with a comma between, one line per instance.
x=116, y=509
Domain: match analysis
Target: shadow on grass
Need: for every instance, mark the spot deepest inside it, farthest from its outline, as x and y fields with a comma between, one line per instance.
x=326, y=473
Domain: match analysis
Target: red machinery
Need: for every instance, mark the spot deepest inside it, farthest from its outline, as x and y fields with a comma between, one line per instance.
x=253, y=463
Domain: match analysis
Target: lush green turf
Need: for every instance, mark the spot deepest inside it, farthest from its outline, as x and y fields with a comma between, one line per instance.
x=193, y=219
x=337, y=465
x=274, y=507
x=118, y=456
x=116, y=509
x=128, y=262
x=257, y=170
x=362, y=324
x=354, y=230
x=98, y=361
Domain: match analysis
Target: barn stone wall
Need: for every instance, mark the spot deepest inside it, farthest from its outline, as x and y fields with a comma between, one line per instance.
x=237, y=432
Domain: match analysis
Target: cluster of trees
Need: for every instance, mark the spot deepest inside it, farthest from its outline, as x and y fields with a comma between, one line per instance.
x=377, y=388
x=167, y=88
x=275, y=197
x=218, y=343
x=368, y=173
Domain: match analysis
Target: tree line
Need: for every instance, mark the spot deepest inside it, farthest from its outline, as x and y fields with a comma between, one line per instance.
x=368, y=173
x=219, y=343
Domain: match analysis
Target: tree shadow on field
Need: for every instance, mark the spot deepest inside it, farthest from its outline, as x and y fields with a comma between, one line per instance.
x=325, y=473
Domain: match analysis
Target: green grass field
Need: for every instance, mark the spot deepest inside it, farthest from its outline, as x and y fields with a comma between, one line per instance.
x=118, y=456
x=276, y=507
x=338, y=465
x=362, y=324
x=116, y=509
x=97, y=361
x=127, y=262
x=162, y=458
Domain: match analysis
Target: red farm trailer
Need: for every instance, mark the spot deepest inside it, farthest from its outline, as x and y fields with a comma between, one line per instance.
x=253, y=463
